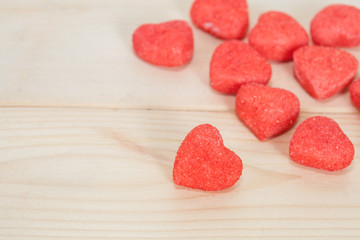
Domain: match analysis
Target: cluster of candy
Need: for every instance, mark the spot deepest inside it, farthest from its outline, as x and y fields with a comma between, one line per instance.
x=323, y=70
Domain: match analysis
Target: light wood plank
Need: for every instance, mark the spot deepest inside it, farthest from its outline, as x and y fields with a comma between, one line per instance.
x=79, y=53
x=106, y=174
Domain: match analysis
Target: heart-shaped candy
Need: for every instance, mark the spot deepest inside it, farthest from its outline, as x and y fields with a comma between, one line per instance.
x=277, y=35
x=203, y=162
x=319, y=142
x=324, y=71
x=336, y=25
x=266, y=111
x=226, y=19
x=235, y=63
x=166, y=44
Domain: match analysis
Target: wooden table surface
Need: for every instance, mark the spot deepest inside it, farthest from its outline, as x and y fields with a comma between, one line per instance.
x=89, y=133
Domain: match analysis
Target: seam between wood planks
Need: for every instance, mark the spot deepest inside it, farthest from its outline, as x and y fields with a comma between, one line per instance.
x=151, y=108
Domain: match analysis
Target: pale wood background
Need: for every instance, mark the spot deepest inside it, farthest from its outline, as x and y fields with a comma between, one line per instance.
x=88, y=134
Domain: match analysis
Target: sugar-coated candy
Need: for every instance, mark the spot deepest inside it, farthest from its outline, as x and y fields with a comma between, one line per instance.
x=203, y=162
x=226, y=19
x=354, y=90
x=319, y=142
x=266, y=111
x=277, y=35
x=324, y=71
x=166, y=44
x=336, y=25
x=235, y=63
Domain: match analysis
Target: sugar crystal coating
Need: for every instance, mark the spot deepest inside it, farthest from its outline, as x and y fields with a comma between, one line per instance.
x=336, y=25
x=354, y=90
x=235, y=63
x=226, y=19
x=266, y=111
x=324, y=71
x=319, y=142
x=203, y=162
x=277, y=35
x=166, y=44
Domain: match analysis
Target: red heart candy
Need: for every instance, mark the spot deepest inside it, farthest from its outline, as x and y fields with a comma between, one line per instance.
x=277, y=35
x=203, y=162
x=354, y=90
x=235, y=63
x=336, y=25
x=226, y=19
x=320, y=143
x=167, y=44
x=324, y=71
x=266, y=111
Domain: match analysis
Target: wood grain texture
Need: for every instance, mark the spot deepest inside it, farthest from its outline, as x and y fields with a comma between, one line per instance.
x=107, y=174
